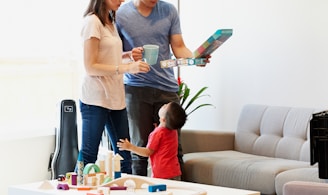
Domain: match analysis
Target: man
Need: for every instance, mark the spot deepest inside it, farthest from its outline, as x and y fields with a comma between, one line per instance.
x=142, y=22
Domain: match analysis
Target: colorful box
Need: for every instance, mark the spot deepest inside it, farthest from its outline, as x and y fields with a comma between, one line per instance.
x=212, y=43
x=182, y=62
x=207, y=48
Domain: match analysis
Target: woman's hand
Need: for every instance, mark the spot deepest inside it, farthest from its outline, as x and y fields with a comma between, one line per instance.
x=138, y=67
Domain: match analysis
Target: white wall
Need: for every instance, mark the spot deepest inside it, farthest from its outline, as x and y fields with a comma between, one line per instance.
x=277, y=56
x=25, y=159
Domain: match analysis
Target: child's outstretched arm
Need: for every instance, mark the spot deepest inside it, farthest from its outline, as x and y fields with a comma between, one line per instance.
x=124, y=144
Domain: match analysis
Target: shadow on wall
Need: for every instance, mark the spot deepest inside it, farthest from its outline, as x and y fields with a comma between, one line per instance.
x=25, y=160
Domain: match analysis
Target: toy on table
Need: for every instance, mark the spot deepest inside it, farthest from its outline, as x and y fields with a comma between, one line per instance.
x=79, y=168
x=117, y=166
x=155, y=188
x=129, y=183
x=135, y=182
x=62, y=186
x=92, y=175
x=105, y=175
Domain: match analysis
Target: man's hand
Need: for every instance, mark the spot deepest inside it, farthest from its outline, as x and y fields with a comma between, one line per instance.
x=207, y=60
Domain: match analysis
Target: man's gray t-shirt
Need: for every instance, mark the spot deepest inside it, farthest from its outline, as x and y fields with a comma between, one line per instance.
x=137, y=30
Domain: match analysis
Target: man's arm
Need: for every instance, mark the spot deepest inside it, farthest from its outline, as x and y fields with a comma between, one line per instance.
x=181, y=51
x=179, y=48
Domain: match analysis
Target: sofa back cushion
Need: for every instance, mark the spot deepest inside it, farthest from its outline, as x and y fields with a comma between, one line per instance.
x=274, y=131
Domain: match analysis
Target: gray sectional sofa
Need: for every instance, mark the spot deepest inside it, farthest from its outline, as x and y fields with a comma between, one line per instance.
x=269, y=148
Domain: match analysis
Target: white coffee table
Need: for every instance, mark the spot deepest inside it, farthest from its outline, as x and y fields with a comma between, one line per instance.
x=173, y=188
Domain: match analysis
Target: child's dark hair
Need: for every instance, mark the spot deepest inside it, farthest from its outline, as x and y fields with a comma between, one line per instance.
x=175, y=116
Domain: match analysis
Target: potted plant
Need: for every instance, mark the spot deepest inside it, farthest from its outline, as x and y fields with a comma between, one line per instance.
x=186, y=100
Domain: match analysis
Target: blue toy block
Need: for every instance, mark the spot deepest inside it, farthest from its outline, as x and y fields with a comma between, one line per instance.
x=117, y=174
x=156, y=188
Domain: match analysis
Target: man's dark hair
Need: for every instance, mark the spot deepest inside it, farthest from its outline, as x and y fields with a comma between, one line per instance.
x=175, y=116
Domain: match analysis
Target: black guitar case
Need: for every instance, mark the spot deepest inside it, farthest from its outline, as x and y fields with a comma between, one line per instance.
x=66, y=150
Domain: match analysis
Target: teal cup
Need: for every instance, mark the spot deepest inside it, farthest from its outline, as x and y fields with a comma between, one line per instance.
x=150, y=54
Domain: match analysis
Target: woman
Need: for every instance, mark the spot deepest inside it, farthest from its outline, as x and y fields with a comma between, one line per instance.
x=102, y=101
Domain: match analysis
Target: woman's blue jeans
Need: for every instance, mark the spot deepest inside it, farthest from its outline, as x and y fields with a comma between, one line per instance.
x=95, y=120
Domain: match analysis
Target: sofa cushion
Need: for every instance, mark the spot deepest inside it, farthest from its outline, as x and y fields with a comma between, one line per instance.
x=274, y=131
x=237, y=170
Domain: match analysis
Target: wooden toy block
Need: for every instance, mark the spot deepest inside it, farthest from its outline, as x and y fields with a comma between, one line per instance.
x=156, y=188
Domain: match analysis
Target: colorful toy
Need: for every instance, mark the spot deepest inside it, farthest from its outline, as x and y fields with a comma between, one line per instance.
x=61, y=178
x=117, y=166
x=129, y=183
x=80, y=167
x=97, y=181
x=71, y=178
x=118, y=188
x=156, y=188
x=62, y=186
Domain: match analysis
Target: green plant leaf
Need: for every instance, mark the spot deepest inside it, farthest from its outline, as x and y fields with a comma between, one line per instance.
x=196, y=96
x=186, y=92
x=181, y=86
x=202, y=105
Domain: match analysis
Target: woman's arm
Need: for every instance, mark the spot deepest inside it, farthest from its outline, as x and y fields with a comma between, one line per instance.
x=94, y=68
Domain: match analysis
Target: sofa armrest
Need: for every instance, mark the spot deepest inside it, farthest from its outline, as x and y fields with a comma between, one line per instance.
x=305, y=188
x=205, y=141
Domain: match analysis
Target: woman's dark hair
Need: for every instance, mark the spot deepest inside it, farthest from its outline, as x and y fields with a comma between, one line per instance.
x=98, y=8
x=175, y=116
